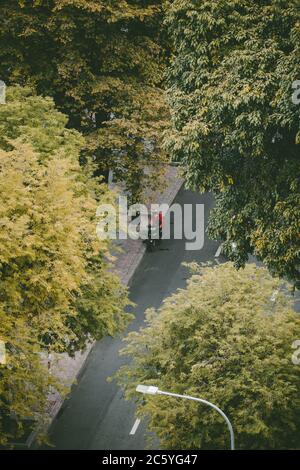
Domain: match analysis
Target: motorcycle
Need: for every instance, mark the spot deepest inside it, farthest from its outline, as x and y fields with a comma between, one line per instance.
x=154, y=236
x=153, y=233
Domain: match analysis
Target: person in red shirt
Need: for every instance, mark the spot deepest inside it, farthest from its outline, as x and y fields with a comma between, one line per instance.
x=157, y=216
x=161, y=221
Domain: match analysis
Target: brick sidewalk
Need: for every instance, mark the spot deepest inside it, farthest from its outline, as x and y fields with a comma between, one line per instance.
x=67, y=369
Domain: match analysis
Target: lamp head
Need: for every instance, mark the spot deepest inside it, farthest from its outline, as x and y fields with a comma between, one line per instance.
x=147, y=389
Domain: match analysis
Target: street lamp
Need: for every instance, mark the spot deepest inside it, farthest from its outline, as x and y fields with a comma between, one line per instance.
x=150, y=390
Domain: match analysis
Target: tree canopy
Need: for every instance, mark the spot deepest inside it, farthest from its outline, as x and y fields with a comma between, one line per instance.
x=56, y=289
x=227, y=338
x=235, y=125
x=103, y=63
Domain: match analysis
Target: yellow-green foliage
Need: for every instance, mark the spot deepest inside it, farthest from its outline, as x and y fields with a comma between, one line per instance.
x=227, y=337
x=55, y=289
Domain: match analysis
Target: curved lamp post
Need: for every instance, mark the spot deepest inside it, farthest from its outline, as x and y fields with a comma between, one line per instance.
x=149, y=390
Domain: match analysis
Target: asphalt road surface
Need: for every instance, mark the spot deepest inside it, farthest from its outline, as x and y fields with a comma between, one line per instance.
x=96, y=416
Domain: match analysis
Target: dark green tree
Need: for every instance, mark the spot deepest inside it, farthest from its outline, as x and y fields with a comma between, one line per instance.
x=235, y=125
x=103, y=63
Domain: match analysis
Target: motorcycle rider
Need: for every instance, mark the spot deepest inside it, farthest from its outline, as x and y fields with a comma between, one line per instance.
x=155, y=221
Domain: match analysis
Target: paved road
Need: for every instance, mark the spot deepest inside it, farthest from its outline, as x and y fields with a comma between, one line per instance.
x=96, y=416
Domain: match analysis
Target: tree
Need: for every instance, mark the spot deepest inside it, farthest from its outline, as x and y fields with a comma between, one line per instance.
x=103, y=63
x=227, y=337
x=235, y=126
x=56, y=291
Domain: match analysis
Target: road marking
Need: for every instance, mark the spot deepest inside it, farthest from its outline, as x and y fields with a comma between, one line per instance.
x=134, y=427
x=218, y=252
